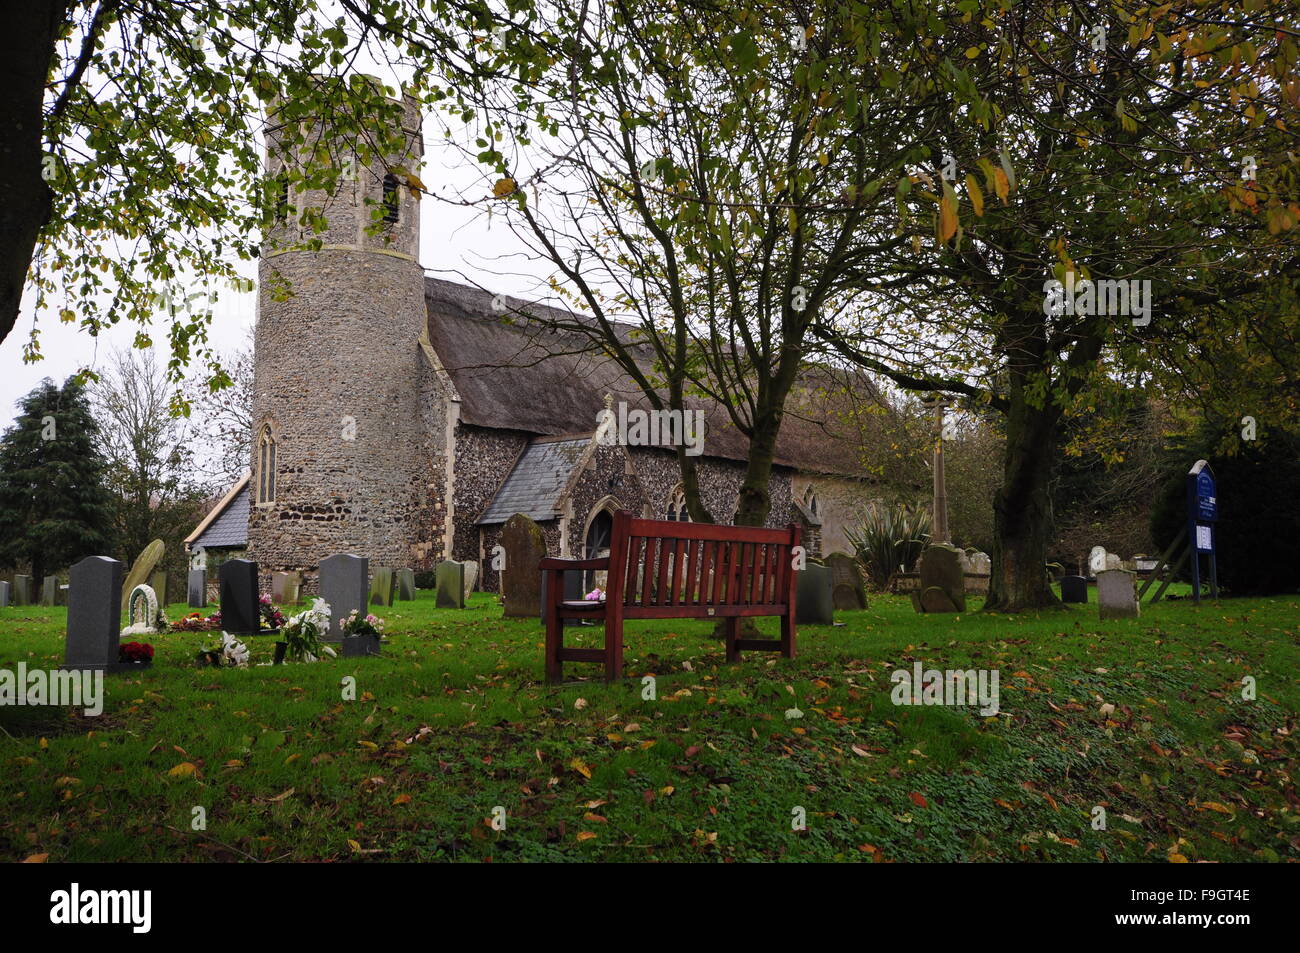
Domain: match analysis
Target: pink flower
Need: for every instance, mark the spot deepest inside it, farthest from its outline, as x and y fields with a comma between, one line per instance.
x=596, y=596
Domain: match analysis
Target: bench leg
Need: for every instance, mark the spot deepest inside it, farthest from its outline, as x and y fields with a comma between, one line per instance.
x=731, y=627
x=787, y=635
x=613, y=648
x=554, y=631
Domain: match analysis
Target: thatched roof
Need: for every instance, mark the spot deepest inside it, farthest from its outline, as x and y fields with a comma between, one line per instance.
x=510, y=376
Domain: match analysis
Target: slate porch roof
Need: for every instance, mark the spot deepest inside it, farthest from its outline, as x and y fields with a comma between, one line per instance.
x=538, y=480
x=226, y=524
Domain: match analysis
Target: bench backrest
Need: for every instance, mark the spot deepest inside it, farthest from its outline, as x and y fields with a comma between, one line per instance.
x=663, y=568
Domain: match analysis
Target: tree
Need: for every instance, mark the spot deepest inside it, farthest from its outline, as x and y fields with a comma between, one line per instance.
x=54, y=506
x=146, y=445
x=132, y=161
x=1099, y=146
x=221, y=419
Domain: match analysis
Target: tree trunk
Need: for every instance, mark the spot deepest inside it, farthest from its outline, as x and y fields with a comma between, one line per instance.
x=27, y=34
x=755, y=503
x=1022, y=511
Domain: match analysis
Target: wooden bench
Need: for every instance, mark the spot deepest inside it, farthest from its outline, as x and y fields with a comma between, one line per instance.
x=661, y=569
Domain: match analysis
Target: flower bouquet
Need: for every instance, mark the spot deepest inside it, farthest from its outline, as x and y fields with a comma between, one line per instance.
x=272, y=617
x=135, y=653
x=596, y=595
x=361, y=634
x=303, y=632
x=230, y=652
x=198, y=622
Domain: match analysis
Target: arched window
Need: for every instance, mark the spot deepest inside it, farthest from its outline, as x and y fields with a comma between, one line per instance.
x=677, y=506
x=810, y=500
x=281, y=197
x=266, y=466
x=392, y=199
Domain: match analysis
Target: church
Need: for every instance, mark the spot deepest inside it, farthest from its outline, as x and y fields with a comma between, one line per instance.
x=405, y=418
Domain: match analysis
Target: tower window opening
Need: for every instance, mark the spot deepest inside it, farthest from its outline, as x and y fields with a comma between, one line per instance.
x=266, y=466
x=391, y=199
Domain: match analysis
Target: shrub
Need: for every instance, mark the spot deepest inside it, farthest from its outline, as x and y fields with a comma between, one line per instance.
x=890, y=539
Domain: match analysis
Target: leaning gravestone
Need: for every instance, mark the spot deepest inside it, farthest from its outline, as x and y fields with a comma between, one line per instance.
x=471, y=577
x=141, y=568
x=50, y=591
x=406, y=584
x=848, y=589
x=240, y=613
x=196, y=586
x=158, y=583
x=1074, y=589
x=943, y=581
x=521, y=579
x=22, y=590
x=94, y=614
x=449, y=579
x=286, y=588
x=1116, y=595
x=814, y=595
x=4, y=593
x=343, y=587
x=381, y=587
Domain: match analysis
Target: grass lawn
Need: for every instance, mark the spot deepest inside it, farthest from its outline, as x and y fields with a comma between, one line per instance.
x=454, y=721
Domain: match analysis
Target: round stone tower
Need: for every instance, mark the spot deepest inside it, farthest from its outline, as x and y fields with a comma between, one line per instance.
x=339, y=458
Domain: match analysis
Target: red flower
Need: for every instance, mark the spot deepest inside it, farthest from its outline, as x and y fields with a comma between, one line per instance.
x=135, y=652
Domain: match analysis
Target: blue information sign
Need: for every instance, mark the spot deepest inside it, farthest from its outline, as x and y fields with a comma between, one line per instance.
x=1202, y=512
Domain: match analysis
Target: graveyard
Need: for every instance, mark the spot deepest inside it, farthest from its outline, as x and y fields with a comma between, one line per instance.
x=451, y=746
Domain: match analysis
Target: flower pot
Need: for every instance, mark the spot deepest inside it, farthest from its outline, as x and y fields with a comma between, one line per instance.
x=279, y=652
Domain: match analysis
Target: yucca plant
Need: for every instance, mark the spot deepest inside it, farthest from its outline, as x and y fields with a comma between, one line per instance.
x=890, y=539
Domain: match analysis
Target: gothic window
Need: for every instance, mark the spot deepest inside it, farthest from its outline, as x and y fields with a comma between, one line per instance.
x=810, y=500
x=266, y=466
x=677, y=506
x=392, y=199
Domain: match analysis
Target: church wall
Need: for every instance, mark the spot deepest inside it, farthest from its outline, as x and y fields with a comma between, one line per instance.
x=608, y=474
x=840, y=504
x=483, y=460
x=720, y=482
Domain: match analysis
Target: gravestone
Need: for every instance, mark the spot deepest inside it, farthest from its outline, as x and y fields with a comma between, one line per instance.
x=1074, y=589
x=142, y=568
x=1116, y=594
x=50, y=591
x=521, y=579
x=239, y=603
x=381, y=587
x=1096, y=560
x=406, y=584
x=158, y=583
x=940, y=569
x=449, y=579
x=814, y=595
x=5, y=590
x=343, y=587
x=197, y=588
x=22, y=590
x=471, y=577
x=286, y=588
x=848, y=589
x=981, y=563
x=94, y=614
x=1113, y=562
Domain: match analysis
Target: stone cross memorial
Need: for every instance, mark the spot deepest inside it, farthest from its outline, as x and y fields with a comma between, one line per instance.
x=449, y=579
x=1116, y=595
x=521, y=579
x=343, y=585
x=94, y=614
x=406, y=584
x=197, y=588
x=381, y=587
x=239, y=604
x=814, y=595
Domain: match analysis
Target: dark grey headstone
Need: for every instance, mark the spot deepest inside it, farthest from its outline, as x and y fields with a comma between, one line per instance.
x=449, y=578
x=22, y=590
x=5, y=593
x=521, y=579
x=381, y=587
x=94, y=614
x=406, y=584
x=941, y=568
x=197, y=588
x=814, y=603
x=848, y=589
x=343, y=585
x=50, y=591
x=1074, y=589
x=239, y=608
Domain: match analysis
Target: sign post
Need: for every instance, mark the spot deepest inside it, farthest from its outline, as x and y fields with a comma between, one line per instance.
x=1202, y=514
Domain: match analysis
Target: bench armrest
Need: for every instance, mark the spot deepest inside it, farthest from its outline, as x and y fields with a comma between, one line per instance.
x=554, y=562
